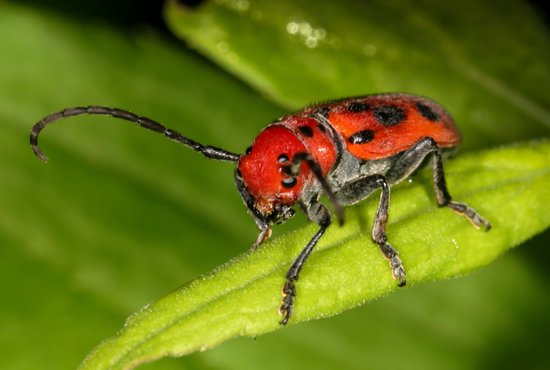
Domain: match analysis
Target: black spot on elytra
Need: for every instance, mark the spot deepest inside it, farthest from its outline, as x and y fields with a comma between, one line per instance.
x=361, y=137
x=321, y=128
x=357, y=106
x=427, y=112
x=389, y=115
x=248, y=150
x=289, y=182
x=306, y=131
x=282, y=158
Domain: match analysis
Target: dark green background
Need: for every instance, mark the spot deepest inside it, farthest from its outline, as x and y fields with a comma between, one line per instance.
x=118, y=217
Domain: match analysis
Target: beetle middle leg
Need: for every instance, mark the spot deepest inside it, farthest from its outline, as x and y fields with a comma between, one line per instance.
x=360, y=189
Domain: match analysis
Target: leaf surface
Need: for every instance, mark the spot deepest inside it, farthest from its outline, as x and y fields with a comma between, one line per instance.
x=346, y=270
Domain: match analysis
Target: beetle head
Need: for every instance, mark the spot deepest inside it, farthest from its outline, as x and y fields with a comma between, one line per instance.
x=265, y=186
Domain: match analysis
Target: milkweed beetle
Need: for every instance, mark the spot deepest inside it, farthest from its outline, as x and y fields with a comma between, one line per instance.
x=346, y=148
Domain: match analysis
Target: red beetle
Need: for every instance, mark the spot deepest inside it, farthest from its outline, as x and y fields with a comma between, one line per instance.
x=346, y=148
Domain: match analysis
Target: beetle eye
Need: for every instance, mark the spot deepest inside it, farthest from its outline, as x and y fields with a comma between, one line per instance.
x=282, y=158
x=289, y=182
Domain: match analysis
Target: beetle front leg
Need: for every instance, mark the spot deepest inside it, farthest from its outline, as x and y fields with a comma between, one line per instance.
x=320, y=214
x=265, y=233
x=359, y=189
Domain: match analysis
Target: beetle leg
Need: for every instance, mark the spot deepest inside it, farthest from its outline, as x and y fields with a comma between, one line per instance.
x=444, y=198
x=361, y=188
x=265, y=234
x=318, y=213
x=413, y=158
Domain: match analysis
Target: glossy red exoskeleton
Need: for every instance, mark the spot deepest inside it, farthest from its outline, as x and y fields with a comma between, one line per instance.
x=346, y=148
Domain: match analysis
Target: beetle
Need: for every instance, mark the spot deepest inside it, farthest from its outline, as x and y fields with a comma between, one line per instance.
x=346, y=148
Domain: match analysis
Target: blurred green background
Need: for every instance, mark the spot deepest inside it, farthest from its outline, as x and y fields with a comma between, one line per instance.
x=119, y=216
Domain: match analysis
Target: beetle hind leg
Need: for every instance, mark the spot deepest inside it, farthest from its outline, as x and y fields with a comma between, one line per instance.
x=413, y=158
x=444, y=199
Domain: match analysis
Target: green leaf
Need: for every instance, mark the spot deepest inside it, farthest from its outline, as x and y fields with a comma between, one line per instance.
x=119, y=216
x=242, y=296
x=487, y=66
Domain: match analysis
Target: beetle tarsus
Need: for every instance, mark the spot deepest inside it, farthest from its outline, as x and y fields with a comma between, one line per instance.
x=398, y=271
x=289, y=293
x=391, y=254
x=471, y=214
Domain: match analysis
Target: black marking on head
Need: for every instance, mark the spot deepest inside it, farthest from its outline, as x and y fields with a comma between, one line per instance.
x=282, y=158
x=289, y=182
x=389, y=115
x=248, y=150
x=357, y=107
x=306, y=131
x=361, y=137
x=427, y=112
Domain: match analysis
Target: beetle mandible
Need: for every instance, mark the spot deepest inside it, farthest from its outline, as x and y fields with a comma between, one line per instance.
x=346, y=148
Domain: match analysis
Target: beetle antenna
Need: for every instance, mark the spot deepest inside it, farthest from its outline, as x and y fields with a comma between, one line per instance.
x=294, y=168
x=208, y=151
